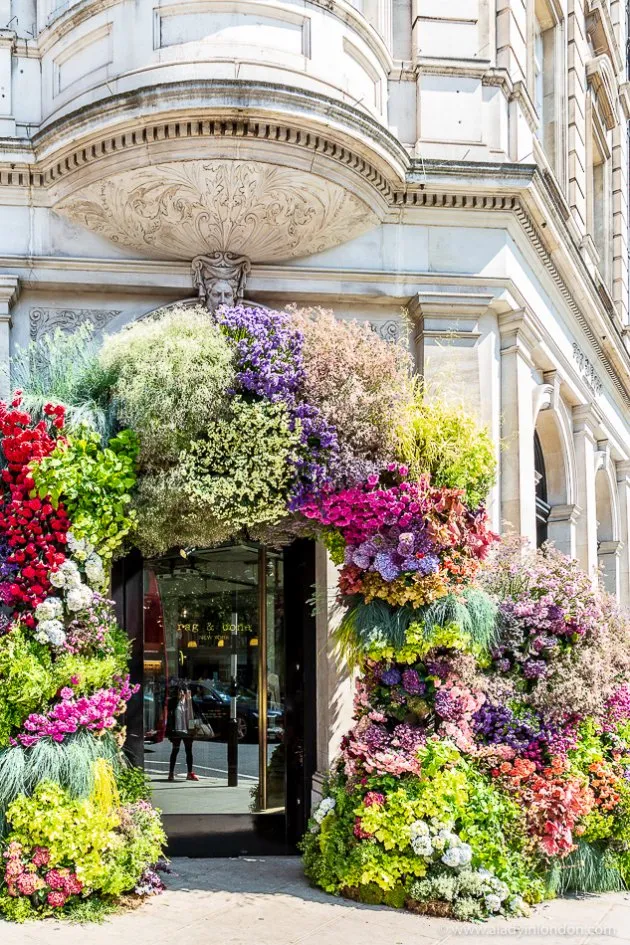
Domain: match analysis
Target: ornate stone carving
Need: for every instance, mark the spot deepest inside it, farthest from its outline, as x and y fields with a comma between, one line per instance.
x=391, y=330
x=587, y=370
x=183, y=209
x=44, y=321
x=220, y=278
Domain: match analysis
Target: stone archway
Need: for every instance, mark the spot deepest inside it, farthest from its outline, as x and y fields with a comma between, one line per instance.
x=608, y=521
x=557, y=512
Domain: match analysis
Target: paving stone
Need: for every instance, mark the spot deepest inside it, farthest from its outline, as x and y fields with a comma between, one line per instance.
x=267, y=901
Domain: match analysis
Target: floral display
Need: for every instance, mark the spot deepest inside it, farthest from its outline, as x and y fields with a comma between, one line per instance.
x=69, y=840
x=488, y=763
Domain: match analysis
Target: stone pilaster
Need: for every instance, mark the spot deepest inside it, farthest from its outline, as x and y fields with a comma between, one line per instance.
x=518, y=484
x=585, y=441
x=623, y=491
x=9, y=291
x=335, y=683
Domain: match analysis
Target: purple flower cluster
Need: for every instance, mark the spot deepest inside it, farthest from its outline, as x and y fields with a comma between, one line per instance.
x=270, y=365
x=529, y=737
x=617, y=708
x=395, y=551
x=8, y=571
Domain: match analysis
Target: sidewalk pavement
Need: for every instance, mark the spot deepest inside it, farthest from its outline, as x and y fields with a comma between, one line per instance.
x=266, y=901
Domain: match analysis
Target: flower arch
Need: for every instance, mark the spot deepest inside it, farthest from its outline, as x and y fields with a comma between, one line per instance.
x=464, y=781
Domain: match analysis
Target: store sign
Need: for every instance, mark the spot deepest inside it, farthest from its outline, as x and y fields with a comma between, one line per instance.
x=587, y=370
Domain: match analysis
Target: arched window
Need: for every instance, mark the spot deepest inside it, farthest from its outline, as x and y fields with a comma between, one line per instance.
x=543, y=508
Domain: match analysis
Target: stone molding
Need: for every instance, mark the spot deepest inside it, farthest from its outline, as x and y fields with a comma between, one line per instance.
x=600, y=75
x=44, y=321
x=9, y=292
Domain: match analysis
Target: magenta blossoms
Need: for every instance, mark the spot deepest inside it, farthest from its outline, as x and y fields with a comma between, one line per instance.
x=95, y=713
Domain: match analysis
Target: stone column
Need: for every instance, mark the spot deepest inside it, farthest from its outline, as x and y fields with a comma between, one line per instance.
x=608, y=559
x=335, y=683
x=623, y=486
x=518, y=482
x=585, y=439
x=9, y=291
x=7, y=44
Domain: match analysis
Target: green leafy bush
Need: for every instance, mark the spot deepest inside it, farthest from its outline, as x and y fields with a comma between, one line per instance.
x=446, y=442
x=172, y=377
x=94, y=484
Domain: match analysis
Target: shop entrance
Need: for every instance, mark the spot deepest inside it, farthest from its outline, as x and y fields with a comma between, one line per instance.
x=225, y=726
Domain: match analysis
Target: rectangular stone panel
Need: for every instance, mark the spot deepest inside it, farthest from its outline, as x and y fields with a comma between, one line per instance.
x=92, y=52
x=240, y=24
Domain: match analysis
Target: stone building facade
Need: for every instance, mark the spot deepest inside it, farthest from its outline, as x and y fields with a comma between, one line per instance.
x=463, y=161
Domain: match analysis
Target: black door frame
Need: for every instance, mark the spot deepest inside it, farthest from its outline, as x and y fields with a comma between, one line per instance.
x=212, y=835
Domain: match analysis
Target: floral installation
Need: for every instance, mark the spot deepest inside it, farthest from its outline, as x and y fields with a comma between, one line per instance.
x=488, y=764
x=64, y=688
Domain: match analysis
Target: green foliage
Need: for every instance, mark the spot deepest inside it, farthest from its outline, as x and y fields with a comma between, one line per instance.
x=109, y=846
x=133, y=784
x=26, y=678
x=94, y=484
x=377, y=630
x=68, y=764
x=446, y=442
x=65, y=368
x=240, y=472
x=172, y=374
x=76, y=831
x=588, y=869
x=30, y=679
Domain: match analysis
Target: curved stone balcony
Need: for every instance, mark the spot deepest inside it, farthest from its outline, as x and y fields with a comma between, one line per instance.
x=250, y=126
x=92, y=49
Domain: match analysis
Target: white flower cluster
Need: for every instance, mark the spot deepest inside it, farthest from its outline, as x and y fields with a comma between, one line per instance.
x=495, y=893
x=324, y=808
x=77, y=595
x=92, y=563
x=433, y=840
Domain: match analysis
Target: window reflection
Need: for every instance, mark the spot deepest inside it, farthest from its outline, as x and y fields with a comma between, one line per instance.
x=213, y=714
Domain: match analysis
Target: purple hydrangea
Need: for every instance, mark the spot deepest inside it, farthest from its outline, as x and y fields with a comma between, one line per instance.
x=412, y=684
x=391, y=676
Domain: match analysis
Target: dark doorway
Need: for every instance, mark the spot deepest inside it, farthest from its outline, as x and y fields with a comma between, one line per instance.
x=543, y=508
x=223, y=647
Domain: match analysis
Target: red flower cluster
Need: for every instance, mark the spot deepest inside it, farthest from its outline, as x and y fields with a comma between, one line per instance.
x=35, y=531
x=553, y=802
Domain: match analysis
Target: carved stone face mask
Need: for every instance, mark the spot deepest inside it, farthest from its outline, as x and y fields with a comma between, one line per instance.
x=220, y=293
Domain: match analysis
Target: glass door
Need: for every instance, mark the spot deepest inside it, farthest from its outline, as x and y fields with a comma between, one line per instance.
x=214, y=681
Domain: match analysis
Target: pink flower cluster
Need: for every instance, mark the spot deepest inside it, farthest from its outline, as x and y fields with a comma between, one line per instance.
x=27, y=876
x=96, y=713
x=617, y=709
x=361, y=511
x=371, y=749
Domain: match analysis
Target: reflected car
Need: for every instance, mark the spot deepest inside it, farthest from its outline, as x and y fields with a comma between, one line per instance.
x=212, y=702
